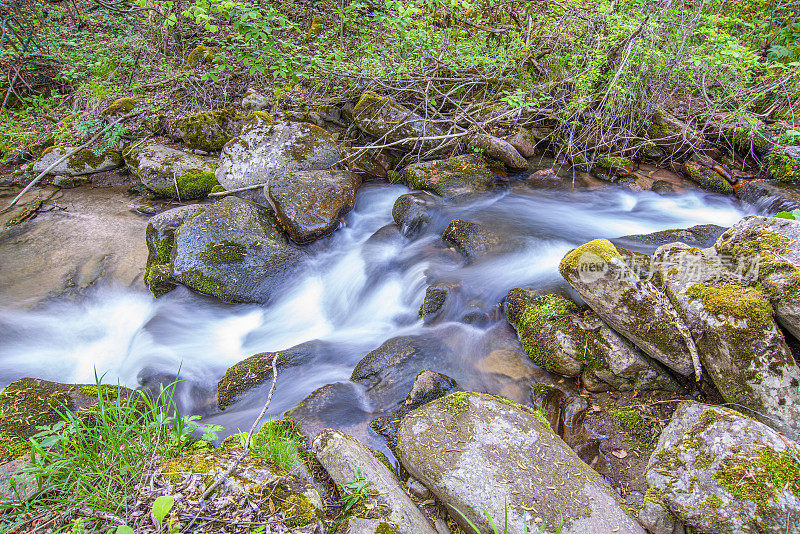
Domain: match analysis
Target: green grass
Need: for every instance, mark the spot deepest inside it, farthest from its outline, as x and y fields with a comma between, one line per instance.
x=277, y=444
x=94, y=458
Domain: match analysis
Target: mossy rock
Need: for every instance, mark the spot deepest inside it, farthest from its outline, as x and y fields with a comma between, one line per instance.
x=160, y=237
x=450, y=177
x=172, y=173
x=207, y=131
x=202, y=54
x=707, y=178
x=783, y=164
x=85, y=161
x=382, y=117
x=719, y=471
x=29, y=403
x=119, y=107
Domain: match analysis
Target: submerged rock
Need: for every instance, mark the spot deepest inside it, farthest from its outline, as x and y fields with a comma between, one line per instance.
x=172, y=173
x=340, y=404
x=84, y=161
x=722, y=473
x=384, y=118
x=160, y=238
x=740, y=346
x=770, y=196
x=346, y=459
x=481, y=453
x=234, y=250
x=265, y=150
x=413, y=212
x=309, y=204
x=450, y=177
x=207, y=131
x=701, y=236
x=257, y=369
x=475, y=240
x=631, y=306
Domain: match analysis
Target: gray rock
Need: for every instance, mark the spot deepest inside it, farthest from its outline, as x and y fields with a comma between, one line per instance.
x=524, y=141
x=85, y=161
x=562, y=338
x=740, y=346
x=253, y=100
x=478, y=452
x=436, y=296
x=707, y=178
x=15, y=485
x=265, y=150
x=768, y=249
x=344, y=458
x=384, y=118
x=720, y=472
x=160, y=237
x=172, y=173
x=418, y=489
x=657, y=519
x=632, y=307
x=68, y=182
x=475, y=241
x=701, y=236
x=498, y=149
x=412, y=212
x=450, y=177
x=234, y=250
x=429, y=385
x=309, y=204
x=770, y=196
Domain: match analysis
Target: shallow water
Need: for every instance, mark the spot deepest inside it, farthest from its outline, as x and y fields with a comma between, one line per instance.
x=363, y=286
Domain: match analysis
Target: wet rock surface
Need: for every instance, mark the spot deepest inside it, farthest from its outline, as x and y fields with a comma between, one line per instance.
x=309, y=204
x=234, y=250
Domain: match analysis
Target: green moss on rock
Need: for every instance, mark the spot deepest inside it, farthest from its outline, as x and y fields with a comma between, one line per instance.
x=119, y=106
x=599, y=248
x=202, y=54
x=746, y=305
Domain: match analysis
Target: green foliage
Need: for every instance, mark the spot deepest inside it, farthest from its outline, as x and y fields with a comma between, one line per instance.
x=353, y=492
x=96, y=456
x=794, y=214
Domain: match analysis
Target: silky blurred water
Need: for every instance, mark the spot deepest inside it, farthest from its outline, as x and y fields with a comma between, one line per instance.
x=363, y=286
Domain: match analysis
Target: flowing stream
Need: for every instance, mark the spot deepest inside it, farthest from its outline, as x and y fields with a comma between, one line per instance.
x=364, y=285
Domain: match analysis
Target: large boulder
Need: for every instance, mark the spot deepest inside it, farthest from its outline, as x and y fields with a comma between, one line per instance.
x=234, y=250
x=631, y=306
x=450, y=177
x=479, y=453
x=740, y=346
x=386, y=119
x=84, y=161
x=346, y=459
x=768, y=249
x=160, y=237
x=723, y=473
x=207, y=131
x=562, y=338
x=265, y=150
x=172, y=173
x=309, y=203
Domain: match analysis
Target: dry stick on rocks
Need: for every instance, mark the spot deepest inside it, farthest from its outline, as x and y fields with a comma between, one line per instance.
x=69, y=154
x=246, y=450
